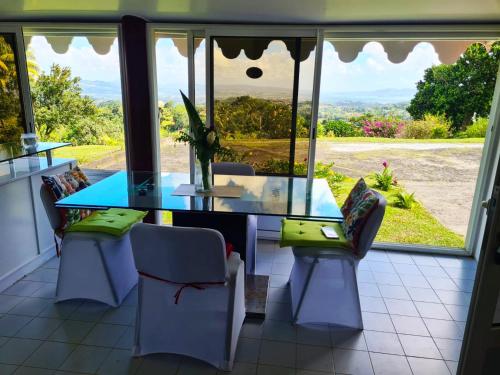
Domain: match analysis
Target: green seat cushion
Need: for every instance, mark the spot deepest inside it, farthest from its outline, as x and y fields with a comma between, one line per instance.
x=115, y=221
x=307, y=233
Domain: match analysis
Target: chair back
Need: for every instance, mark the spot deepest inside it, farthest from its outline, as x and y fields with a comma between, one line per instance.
x=179, y=254
x=48, y=203
x=371, y=226
x=228, y=168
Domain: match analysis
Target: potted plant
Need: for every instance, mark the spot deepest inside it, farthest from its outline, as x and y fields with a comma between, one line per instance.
x=205, y=143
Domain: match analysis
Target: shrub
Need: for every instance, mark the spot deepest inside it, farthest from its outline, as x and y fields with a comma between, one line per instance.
x=385, y=179
x=323, y=170
x=476, y=130
x=430, y=127
x=339, y=128
x=404, y=200
x=382, y=128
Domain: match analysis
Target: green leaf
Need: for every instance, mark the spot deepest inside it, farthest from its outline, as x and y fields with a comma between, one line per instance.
x=197, y=126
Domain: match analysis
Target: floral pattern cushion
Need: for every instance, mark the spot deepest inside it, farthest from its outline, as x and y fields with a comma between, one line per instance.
x=63, y=185
x=354, y=196
x=354, y=221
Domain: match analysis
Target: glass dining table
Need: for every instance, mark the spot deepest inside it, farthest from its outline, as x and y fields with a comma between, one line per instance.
x=292, y=197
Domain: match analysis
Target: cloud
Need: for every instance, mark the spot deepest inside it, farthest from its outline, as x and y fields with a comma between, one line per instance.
x=81, y=58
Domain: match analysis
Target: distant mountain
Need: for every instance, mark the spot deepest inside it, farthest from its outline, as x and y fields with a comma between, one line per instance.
x=103, y=91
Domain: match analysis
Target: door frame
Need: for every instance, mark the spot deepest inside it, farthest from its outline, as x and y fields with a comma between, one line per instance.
x=278, y=32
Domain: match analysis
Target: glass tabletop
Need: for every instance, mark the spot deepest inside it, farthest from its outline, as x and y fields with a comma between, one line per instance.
x=14, y=150
x=261, y=195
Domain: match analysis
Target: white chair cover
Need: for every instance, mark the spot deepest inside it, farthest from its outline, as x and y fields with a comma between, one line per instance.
x=96, y=266
x=93, y=266
x=323, y=283
x=188, y=263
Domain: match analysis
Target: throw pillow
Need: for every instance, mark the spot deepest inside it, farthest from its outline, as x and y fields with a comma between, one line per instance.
x=356, y=193
x=355, y=220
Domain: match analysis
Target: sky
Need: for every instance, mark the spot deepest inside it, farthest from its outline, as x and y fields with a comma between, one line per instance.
x=371, y=70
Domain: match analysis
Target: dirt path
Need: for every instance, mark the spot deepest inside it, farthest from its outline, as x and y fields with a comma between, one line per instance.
x=442, y=175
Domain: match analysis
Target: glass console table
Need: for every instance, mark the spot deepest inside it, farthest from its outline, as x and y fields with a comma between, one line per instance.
x=17, y=161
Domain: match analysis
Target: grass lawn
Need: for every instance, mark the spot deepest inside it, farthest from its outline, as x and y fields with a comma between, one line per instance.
x=413, y=226
x=86, y=154
x=398, y=140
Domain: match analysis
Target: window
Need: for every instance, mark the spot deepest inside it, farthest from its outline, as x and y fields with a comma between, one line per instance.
x=76, y=92
x=420, y=108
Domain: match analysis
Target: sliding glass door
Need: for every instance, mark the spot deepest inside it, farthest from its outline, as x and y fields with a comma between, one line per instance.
x=261, y=101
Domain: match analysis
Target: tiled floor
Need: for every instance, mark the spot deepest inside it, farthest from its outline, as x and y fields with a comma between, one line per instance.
x=414, y=308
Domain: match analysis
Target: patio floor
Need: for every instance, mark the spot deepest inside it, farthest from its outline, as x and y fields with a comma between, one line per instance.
x=414, y=312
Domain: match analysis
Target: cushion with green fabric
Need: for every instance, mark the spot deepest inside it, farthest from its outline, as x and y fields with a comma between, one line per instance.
x=115, y=221
x=308, y=233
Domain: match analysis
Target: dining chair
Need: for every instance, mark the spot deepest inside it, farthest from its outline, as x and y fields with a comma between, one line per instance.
x=94, y=266
x=191, y=298
x=240, y=169
x=323, y=282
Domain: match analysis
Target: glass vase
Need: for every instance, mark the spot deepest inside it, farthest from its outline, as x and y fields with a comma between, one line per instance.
x=202, y=176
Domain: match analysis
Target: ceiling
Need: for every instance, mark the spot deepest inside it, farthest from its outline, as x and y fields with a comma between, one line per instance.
x=257, y=11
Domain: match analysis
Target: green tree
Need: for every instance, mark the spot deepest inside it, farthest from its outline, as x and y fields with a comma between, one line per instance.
x=58, y=102
x=459, y=90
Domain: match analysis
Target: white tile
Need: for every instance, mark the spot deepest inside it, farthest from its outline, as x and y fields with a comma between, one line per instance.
x=127, y=339
x=7, y=369
x=279, y=331
x=8, y=302
x=400, y=258
x=442, y=283
x=278, y=281
x=424, y=260
x=252, y=329
x=387, y=278
x=432, y=271
x=43, y=274
x=279, y=311
x=377, y=255
x=383, y=342
x=419, y=346
x=377, y=322
x=104, y=335
x=372, y=304
x=446, y=329
x=274, y=370
x=72, y=331
x=31, y=306
x=432, y=310
x=240, y=368
x=395, y=292
x=281, y=269
x=423, y=295
x=450, y=349
x=23, y=288
x=50, y=355
x=400, y=307
x=461, y=273
x=39, y=328
x=347, y=338
x=452, y=366
x=368, y=290
x=352, y=362
x=409, y=325
x=426, y=366
x=454, y=297
x=407, y=269
x=281, y=295
x=376, y=266
x=314, y=335
x=388, y=364
x=414, y=281
x=85, y=359
x=464, y=285
x=23, y=370
x=159, y=364
x=11, y=324
x=316, y=358
x=277, y=353
x=247, y=350
x=121, y=315
x=89, y=312
x=458, y=312
x=16, y=351
x=60, y=310
x=119, y=362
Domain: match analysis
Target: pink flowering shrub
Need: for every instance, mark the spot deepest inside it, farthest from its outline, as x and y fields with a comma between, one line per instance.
x=382, y=128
